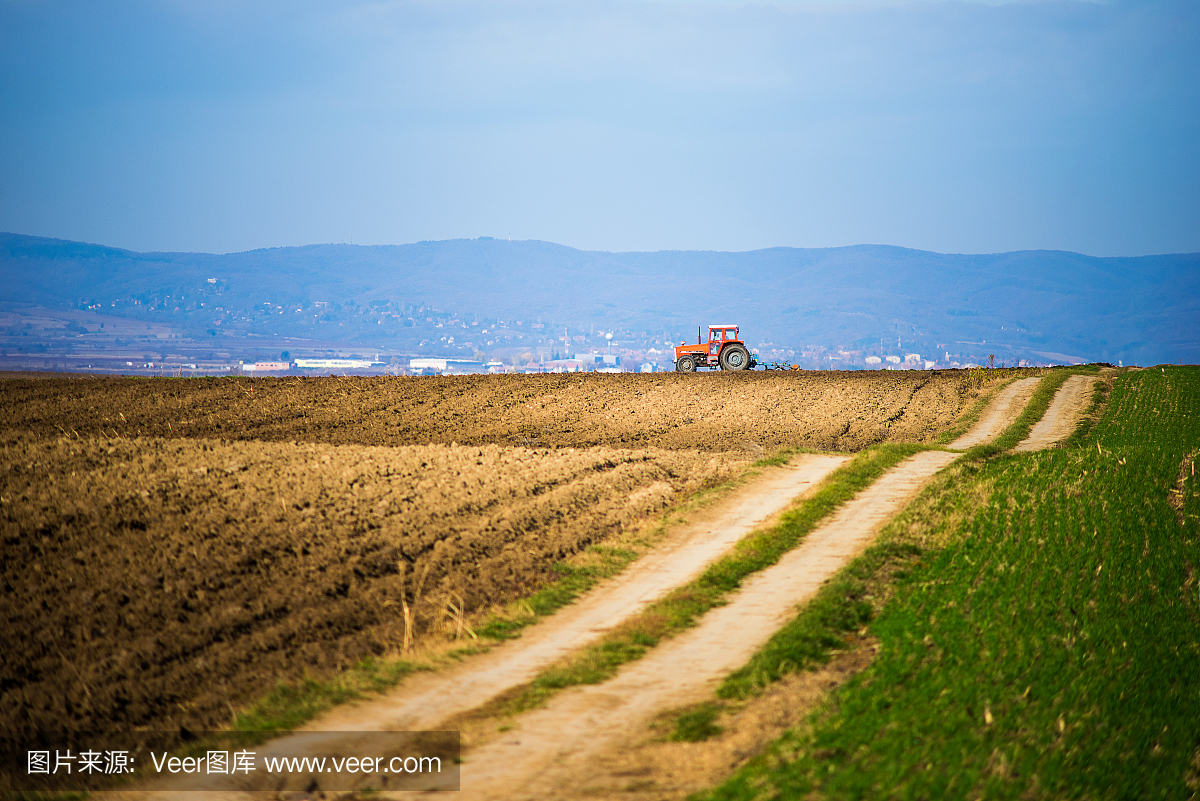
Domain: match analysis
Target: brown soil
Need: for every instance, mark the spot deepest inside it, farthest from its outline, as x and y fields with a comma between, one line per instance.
x=174, y=547
x=822, y=410
x=151, y=582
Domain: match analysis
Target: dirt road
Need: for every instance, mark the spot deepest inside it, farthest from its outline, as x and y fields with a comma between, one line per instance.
x=1062, y=416
x=549, y=749
x=1003, y=409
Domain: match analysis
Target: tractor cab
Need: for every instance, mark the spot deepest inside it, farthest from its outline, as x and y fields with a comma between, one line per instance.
x=718, y=335
x=723, y=349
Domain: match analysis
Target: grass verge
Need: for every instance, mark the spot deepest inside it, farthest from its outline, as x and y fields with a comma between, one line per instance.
x=573, y=581
x=1034, y=410
x=289, y=705
x=783, y=456
x=1045, y=648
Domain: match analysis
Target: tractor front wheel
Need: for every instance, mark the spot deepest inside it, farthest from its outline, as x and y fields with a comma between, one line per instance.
x=686, y=364
x=735, y=357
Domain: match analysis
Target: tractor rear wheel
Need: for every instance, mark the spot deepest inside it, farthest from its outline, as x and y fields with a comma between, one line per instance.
x=735, y=357
x=686, y=364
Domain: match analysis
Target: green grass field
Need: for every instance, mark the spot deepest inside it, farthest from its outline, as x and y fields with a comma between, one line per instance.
x=1047, y=642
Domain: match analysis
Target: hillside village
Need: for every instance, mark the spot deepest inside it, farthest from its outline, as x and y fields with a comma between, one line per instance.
x=200, y=332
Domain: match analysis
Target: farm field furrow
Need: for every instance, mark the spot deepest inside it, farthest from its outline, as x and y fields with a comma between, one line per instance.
x=717, y=412
x=144, y=577
x=1046, y=644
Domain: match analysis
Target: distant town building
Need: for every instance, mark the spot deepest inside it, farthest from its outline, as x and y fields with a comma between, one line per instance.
x=267, y=367
x=428, y=364
x=873, y=360
x=448, y=365
x=334, y=364
x=599, y=359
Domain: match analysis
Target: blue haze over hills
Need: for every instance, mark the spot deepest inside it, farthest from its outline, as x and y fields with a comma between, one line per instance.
x=1044, y=306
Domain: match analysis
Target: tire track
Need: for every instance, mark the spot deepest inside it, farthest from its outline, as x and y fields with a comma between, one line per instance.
x=547, y=749
x=999, y=414
x=1063, y=415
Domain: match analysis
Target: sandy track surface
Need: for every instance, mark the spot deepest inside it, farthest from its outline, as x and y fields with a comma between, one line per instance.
x=1003, y=409
x=546, y=749
x=1062, y=416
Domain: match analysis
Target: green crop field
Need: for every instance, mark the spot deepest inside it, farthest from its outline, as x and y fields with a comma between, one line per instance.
x=1048, y=646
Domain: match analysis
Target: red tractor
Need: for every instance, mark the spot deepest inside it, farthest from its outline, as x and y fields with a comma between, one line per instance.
x=723, y=350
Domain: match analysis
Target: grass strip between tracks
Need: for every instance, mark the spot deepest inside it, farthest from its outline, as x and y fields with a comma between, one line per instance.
x=682, y=607
x=1043, y=644
x=1034, y=411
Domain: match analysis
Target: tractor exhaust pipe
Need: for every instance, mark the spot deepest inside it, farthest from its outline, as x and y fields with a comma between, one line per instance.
x=699, y=339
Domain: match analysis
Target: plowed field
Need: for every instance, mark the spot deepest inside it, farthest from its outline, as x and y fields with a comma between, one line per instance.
x=713, y=412
x=172, y=548
x=140, y=573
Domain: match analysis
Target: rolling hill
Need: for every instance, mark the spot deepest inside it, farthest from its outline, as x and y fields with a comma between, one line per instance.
x=1028, y=304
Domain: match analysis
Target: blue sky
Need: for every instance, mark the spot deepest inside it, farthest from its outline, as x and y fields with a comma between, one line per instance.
x=616, y=125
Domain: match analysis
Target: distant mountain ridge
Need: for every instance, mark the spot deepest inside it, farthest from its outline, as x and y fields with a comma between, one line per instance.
x=1018, y=305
